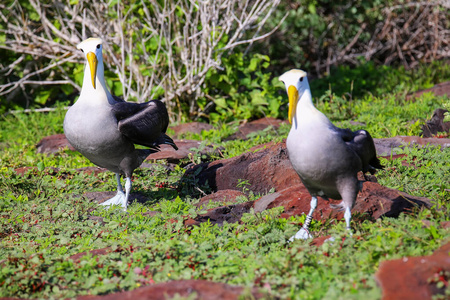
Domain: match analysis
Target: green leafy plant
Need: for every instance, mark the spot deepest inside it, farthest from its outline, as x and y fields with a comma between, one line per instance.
x=244, y=89
x=56, y=243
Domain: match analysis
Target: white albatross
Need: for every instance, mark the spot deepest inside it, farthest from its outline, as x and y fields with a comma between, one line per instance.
x=326, y=158
x=104, y=128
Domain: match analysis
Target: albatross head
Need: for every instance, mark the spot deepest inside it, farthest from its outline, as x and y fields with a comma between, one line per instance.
x=92, y=49
x=296, y=84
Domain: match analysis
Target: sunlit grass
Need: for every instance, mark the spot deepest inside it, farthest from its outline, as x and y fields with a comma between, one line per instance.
x=44, y=219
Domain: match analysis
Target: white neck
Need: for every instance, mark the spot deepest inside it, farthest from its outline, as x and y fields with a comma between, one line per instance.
x=306, y=113
x=101, y=92
x=304, y=103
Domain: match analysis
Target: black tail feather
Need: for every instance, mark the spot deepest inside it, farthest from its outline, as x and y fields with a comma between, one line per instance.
x=168, y=141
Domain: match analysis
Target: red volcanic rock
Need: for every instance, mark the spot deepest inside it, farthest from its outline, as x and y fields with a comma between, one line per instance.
x=386, y=146
x=222, y=196
x=440, y=89
x=24, y=170
x=319, y=241
x=436, y=124
x=95, y=252
x=53, y=171
x=379, y=201
x=266, y=168
x=53, y=144
x=92, y=170
x=193, y=127
x=254, y=126
x=192, y=289
x=296, y=201
x=415, y=277
x=270, y=168
x=374, y=201
x=185, y=148
x=445, y=224
x=230, y=213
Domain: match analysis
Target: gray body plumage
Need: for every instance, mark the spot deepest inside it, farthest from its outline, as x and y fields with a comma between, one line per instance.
x=323, y=161
x=93, y=130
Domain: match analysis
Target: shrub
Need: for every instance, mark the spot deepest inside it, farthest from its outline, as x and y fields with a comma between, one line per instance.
x=160, y=49
x=320, y=34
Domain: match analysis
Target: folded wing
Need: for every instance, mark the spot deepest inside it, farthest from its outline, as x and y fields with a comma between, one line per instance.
x=144, y=123
x=362, y=144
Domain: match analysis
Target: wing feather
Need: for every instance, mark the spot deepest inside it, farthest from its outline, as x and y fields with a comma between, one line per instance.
x=144, y=123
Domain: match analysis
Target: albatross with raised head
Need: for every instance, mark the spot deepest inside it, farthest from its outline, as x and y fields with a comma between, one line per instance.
x=326, y=158
x=105, y=128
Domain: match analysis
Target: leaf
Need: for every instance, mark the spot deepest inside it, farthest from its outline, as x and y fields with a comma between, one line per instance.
x=221, y=102
x=257, y=98
x=254, y=62
x=312, y=8
x=40, y=166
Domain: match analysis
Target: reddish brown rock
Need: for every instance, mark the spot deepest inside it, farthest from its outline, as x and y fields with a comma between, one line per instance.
x=222, y=196
x=374, y=201
x=24, y=170
x=192, y=127
x=249, y=127
x=318, y=241
x=185, y=149
x=53, y=144
x=443, y=224
x=92, y=170
x=263, y=168
x=386, y=146
x=97, y=220
x=296, y=201
x=53, y=171
x=192, y=289
x=270, y=168
x=415, y=277
x=95, y=252
x=229, y=213
x=436, y=124
x=439, y=89
x=379, y=201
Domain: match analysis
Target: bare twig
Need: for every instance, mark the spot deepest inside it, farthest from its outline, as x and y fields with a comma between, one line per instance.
x=165, y=53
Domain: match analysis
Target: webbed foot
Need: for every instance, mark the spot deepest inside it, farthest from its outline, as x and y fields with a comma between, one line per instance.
x=119, y=199
x=302, y=234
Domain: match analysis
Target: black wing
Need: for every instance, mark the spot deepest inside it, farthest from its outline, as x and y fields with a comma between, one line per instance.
x=362, y=143
x=144, y=123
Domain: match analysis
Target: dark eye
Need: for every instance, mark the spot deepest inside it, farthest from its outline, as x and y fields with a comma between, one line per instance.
x=301, y=79
x=98, y=46
x=82, y=50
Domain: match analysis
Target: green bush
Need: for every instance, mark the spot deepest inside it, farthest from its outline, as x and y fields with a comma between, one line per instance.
x=369, y=78
x=244, y=90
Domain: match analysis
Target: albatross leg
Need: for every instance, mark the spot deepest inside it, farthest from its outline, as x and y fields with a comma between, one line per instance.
x=348, y=217
x=303, y=233
x=119, y=198
x=127, y=193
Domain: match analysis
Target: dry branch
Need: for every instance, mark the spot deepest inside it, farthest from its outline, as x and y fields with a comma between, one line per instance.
x=156, y=50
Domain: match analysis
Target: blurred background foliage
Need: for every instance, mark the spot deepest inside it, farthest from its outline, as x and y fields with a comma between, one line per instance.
x=348, y=48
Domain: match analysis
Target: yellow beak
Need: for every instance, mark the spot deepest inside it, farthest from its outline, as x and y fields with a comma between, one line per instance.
x=293, y=99
x=92, y=60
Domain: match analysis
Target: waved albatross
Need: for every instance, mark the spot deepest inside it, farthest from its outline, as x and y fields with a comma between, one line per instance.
x=326, y=158
x=104, y=128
